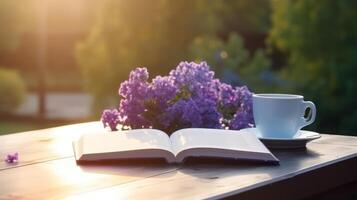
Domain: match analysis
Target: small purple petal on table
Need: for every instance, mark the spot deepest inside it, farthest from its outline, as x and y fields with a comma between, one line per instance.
x=12, y=158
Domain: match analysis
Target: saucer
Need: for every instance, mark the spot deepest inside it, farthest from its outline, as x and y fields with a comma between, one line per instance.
x=300, y=141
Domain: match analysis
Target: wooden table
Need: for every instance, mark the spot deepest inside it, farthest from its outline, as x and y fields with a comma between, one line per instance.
x=47, y=170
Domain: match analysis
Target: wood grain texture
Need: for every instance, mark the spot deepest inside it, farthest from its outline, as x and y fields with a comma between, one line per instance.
x=217, y=181
x=59, y=178
x=43, y=145
x=47, y=170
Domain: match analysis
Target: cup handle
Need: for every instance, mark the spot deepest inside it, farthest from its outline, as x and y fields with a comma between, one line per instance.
x=311, y=118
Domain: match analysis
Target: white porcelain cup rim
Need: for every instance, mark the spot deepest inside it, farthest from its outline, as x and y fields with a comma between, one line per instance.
x=278, y=96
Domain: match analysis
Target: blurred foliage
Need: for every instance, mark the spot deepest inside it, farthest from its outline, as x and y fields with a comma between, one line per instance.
x=156, y=34
x=13, y=23
x=320, y=38
x=12, y=90
x=244, y=16
x=233, y=63
x=129, y=34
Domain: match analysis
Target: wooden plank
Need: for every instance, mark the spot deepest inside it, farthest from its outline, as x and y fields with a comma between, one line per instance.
x=47, y=170
x=55, y=143
x=41, y=145
x=217, y=181
x=337, y=140
x=58, y=179
x=316, y=184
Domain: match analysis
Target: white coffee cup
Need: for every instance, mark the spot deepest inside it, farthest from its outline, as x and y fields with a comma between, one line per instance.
x=281, y=115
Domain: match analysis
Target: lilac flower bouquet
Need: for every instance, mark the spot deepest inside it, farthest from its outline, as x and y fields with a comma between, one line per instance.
x=189, y=96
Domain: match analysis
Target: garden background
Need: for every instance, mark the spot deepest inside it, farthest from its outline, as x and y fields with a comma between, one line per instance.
x=62, y=61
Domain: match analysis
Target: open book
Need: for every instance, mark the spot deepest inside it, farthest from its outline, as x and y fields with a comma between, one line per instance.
x=184, y=143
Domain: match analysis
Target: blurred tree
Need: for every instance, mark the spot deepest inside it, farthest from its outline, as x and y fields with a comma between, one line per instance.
x=233, y=63
x=129, y=34
x=12, y=90
x=220, y=54
x=321, y=40
x=243, y=16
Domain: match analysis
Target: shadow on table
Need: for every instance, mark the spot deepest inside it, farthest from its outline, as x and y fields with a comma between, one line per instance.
x=290, y=161
x=129, y=167
x=210, y=168
x=283, y=154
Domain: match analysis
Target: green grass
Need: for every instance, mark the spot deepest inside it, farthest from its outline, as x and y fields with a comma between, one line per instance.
x=8, y=127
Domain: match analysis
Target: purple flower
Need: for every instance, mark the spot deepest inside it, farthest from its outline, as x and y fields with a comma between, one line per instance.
x=189, y=96
x=182, y=114
x=243, y=118
x=227, y=95
x=134, y=93
x=228, y=101
x=139, y=74
x=110, y=118
x=245, y=99
x=209, y=112
x=12, y=158
x=162, y=90
x=192, y=75
x=240, y=120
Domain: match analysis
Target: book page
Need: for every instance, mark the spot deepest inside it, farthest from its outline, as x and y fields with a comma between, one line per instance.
x=211, y=142
x=125, y=143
